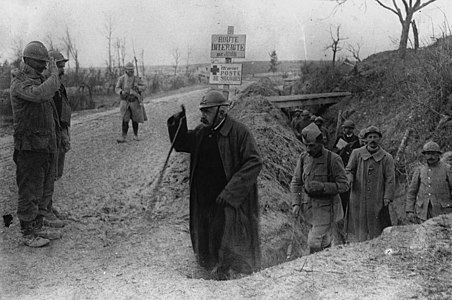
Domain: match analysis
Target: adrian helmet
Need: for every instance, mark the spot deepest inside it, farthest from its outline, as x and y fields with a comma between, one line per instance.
x=36, y=50
x=431, y=147
x=57, y=56
x=213, y=99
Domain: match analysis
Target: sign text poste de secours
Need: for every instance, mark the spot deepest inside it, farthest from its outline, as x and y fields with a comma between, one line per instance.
x=225, y=74
x=228, y=46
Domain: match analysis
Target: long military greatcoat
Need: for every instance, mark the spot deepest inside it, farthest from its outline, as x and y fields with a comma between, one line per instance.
x=373, y=180
x=242, y=164
x=125, y=84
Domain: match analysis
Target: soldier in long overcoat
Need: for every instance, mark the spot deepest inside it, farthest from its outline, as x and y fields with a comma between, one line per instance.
x=371, y=174
x=224, y=165
x=130, y=88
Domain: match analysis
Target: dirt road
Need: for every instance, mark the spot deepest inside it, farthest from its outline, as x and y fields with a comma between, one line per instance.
x=110, y=251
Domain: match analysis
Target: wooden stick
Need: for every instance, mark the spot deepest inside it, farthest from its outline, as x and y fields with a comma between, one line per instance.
x=403, y=145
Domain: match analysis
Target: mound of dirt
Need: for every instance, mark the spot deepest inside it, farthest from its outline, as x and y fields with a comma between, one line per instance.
x=263, y=87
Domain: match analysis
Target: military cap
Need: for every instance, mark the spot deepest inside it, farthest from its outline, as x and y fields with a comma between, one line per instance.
x=212, y=99
x=373, y=129
x=310, y=134
x=319, y=119
x=362, y=133
x=129, y=66
x=348, y=124
x=431, y=147
x=305, y=113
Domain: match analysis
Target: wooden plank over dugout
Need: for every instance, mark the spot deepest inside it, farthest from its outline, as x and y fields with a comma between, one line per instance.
x=308, y=99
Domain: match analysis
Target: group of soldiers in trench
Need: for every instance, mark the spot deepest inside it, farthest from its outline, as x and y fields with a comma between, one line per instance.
x=351, y=202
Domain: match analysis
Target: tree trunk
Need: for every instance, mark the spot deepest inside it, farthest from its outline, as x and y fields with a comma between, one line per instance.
x=415, y=34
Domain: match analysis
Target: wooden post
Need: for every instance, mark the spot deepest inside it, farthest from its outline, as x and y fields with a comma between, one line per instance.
x=338, y=125
x=228, y=61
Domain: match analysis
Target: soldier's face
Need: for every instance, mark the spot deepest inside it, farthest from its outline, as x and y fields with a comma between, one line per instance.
x=38, y=65
x=432, y=157
x=347, y=130
x=373, y=140
x=313, y=149
x=129, y=72
x=208, y=116
x=61, y=65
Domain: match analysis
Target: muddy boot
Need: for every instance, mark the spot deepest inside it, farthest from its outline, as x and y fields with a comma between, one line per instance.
x=136, y=138
x=51, y=220
x=314, y=250
x=29, y=237
x=46, y=233
x=58, y=214
x=122, y=139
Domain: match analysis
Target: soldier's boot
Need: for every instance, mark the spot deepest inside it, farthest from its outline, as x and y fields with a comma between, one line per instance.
x=29, y=237
x=122, y=139
x=135, y=137
x=50, y=220
x=46, y=233
x=58, y=214
x=314, y=250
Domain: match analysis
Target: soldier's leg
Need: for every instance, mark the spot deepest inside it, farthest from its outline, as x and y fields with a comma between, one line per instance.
x=135, y=128
x=319, y=238
x=46, y=204
x=30, y=181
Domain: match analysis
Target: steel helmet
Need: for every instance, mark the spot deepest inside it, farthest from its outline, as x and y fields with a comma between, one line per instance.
x=36, y=50
x=57, y=56
x=373, y=129
x=362, y=133
x=305, y=113
x=212, y=99
x=348, y=124
x=431, y=147
x=319, y=119
x=129, y=66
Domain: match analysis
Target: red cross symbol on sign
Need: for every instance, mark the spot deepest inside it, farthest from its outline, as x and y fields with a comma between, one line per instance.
x=214, y=70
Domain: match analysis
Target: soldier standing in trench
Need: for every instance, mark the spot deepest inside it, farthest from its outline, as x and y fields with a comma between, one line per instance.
x=430, y=191
x=318, y=179
x=224, y=165
x=35, y=141
x=130, y=88
x=371, y=175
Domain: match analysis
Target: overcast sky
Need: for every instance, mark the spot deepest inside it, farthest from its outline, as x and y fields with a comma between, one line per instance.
x=296, y=29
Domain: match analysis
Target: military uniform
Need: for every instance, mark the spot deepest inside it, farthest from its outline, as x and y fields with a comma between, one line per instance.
x=323, y=208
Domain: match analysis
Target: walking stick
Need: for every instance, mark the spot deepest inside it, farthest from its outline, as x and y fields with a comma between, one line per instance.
x=162, y=171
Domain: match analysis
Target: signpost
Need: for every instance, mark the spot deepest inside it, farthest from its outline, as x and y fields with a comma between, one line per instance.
x=225, y=74
x=227, y=46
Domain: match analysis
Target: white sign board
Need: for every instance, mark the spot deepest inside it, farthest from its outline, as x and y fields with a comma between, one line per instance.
x=228, y=46
x=225, y=74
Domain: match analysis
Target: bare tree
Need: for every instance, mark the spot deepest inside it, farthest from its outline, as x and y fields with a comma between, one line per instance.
x=335, y=43
x=142, y=63
x=354, y=51
x=189, y=51
x=18, y=47
x=405, y=20
x=410, y=7
x=176, y=57
x=415, y=34
x=123, y=52
x=108, y=31
x=72, y=51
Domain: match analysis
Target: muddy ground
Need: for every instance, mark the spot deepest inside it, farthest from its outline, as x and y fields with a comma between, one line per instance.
x=124, y=241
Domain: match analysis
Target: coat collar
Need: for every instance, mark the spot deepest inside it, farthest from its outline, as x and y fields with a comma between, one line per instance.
x=379, y=155
x=32, y=73
x=227, y=126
